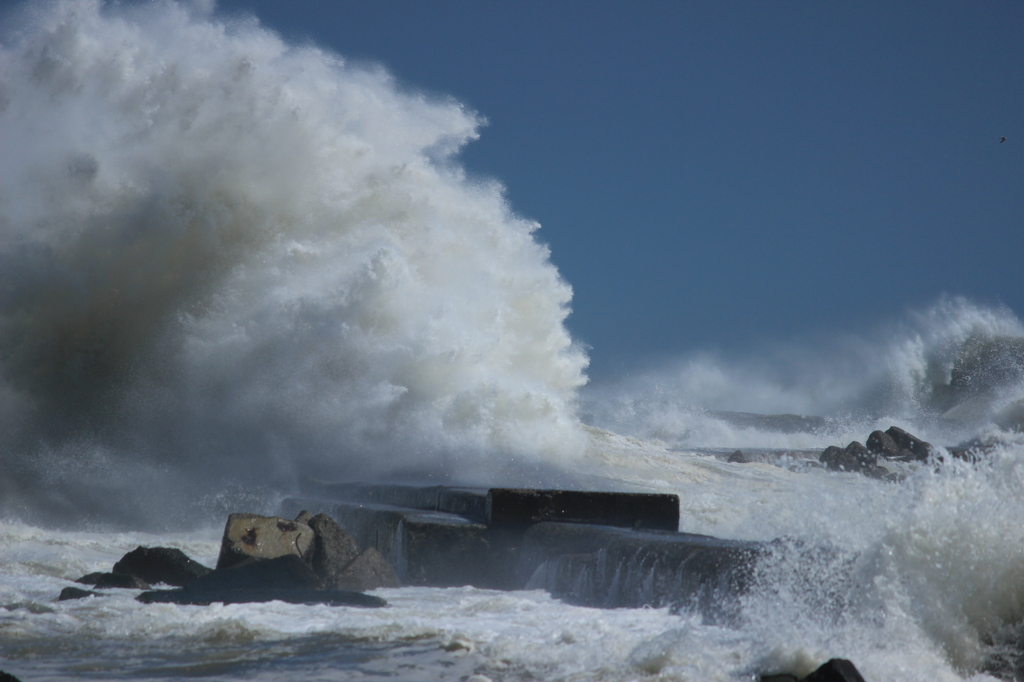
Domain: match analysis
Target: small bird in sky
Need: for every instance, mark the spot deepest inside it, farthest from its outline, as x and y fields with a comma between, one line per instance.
x=1002, y=139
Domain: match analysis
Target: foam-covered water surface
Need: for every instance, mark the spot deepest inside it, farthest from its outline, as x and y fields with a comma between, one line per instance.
x=914, y=581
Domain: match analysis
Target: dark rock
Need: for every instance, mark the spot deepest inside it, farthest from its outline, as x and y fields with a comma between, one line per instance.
x=832, y=456
x=855, y=457
x=7, y=677
x=262, y=537
x=919, y=449
x=303, y=517
x=883, y=445
x=331, y=551
x=739, y=458
x=280, y=573
x=90, y=578
x=784, y=677
x=160, y=565
x=71, y=593
x=521, y=507
x=864, y=457
x=331, y=597
x=367, y=571
x=105, y=580
x=836, y=670
x=286, y=578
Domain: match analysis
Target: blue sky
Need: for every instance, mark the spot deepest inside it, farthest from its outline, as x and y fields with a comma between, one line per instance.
x=716, y=175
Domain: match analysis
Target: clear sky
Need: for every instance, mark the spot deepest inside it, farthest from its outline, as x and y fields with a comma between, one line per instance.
x=717, y=174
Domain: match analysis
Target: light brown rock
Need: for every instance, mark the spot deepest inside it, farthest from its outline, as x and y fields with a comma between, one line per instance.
x=262, y=537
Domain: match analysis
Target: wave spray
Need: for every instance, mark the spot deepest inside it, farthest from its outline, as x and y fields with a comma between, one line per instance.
x=222, y=254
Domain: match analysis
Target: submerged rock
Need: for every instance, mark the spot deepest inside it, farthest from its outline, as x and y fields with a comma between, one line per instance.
x=161, y=565
x=262, y=537
x=106, y=580
x=72, y=593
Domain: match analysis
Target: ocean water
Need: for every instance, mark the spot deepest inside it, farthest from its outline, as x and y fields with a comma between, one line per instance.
x=228, y=263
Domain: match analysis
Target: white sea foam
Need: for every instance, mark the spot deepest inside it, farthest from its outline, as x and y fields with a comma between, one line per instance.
x=223, y=253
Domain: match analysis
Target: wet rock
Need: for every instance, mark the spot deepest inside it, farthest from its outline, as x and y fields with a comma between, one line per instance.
x=919, y=449
x=883, y=445
x=784, y=677
x=286, y=578
x=512, y=508
x=368, y=571
x=331, y=552
x=106, y=580
x=854, y=457
x=836, y=670
x=7, y=677
x=832, y=457
x=739, y=458
x=71, y=593
x=160, y=565
x=262, y=537
x=90, y=578
x=283, y=572
x=336, y=559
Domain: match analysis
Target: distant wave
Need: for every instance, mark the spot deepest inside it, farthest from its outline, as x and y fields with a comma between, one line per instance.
x=948, y=372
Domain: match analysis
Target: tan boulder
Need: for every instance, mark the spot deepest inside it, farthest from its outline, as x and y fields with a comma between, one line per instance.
x=262, y=537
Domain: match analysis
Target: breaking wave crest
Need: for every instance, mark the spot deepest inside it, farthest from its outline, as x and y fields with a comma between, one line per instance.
x=221, y=253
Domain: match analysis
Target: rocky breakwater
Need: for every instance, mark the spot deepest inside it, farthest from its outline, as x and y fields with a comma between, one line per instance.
x=310, y=560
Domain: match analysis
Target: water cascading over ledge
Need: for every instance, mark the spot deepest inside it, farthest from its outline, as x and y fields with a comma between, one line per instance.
x=590, y=548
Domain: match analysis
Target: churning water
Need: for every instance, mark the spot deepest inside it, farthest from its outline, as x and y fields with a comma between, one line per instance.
x=227, y=262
